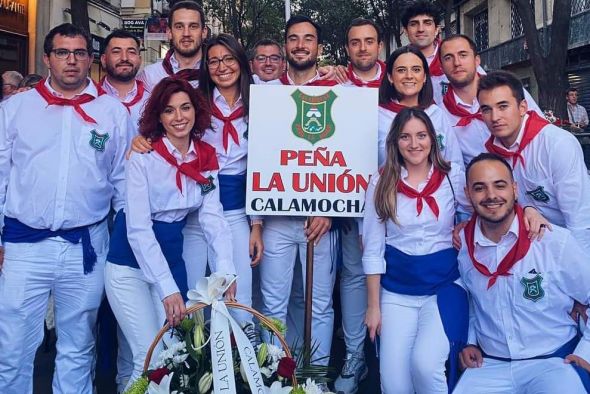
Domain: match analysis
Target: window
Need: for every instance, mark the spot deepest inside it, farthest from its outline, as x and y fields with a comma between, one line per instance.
x=480, y=30
x=515, y=21
x=580, y=6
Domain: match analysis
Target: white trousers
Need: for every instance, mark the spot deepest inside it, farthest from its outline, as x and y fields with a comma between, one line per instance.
x=353, y=290
x=138, y=309
x=414, y=347
x=197, y=254
x=283, y=238
x=30, y=272
x=549, y=376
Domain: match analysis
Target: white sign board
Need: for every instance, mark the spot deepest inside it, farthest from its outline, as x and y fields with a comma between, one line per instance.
x=311, y=150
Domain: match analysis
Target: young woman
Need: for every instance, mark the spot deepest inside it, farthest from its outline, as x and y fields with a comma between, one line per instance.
x=414, y=301
x=145, y=276
x=408, y=84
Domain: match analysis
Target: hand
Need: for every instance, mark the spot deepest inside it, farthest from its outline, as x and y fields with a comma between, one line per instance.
x=579, y=311
x=577, y=360
x=256, y=245
x=1, y=257
x=315, y=227
x=327, y=72
x=341, y=74
x=140, y=144
x=175, y=309
x=456, y=232
x=535, y=223
x=373, y=322
x=230, y=293
x=470, y=357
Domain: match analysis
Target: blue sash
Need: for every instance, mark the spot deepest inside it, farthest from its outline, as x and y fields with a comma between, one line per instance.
x=168, y=235
x=17, y=232
x=562, y=352
x=232, y=191
x=432, y=274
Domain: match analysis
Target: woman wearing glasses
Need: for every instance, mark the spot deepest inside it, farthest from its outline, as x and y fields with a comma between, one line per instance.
x=225, y=83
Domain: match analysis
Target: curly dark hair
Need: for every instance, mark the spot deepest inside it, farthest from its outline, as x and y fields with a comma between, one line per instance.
x=149, y=123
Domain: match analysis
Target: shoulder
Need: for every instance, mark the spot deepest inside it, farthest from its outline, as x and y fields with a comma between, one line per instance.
x=151, y=68
x=556, y=138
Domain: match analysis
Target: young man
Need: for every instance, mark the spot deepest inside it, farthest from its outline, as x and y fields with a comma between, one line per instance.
x=267, y=60
x=186, y=32
x=121, y=58
x=520, y=331
x=363, y=45
x=548, y=162
x=461, y=63
x=285, y=237
x=62, y=148
x=576, y=114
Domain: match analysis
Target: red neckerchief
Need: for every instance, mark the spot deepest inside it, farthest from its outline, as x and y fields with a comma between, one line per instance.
x=134, y=100
x=465, y=117
x=75, y=102
x=206, y=161
x=366, y=84
x=532, y=127
x=318, y=82
x=188, y=74
x=518, y=251
x=393, y=106
x=435, y=66
x=228, y=127
x=433, y=184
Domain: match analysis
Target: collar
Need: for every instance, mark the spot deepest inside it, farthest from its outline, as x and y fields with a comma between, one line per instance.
x=112, y=91
x=315, y=78
x=190, y=155
x=482, y=240
x=89, y=89
x=430, y=58
x=404, y=176
x=472, y=108
x=176, y=66
x=218, y=99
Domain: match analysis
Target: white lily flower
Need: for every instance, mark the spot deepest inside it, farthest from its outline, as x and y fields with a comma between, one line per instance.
x=277, y=388
x=209, y=289
x=163, y=387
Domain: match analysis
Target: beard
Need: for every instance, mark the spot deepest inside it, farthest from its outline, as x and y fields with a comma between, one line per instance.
x=495, y=219
x=461, y=83
x=301, y=65
x=364, y=65
x=123, y=76
x=187, y=52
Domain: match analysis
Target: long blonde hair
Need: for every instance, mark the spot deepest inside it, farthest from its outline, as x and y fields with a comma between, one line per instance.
x=386, y=190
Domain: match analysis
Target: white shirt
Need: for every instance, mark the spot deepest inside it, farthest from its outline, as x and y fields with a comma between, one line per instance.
x=554, y=162
x=154, y=73
x=472, y=138
x=447, y=140
x=152, y=194
x=50, y=175
x=136, y=109
x=376, y=77
x=415, y=234
x=506, y=324
x=232, y=162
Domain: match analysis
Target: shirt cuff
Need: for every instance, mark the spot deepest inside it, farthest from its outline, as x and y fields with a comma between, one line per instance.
x=374, y=266
x=225, y=267
x=167, y=287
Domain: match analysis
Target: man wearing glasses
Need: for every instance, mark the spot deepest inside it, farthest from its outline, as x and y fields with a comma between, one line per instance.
x=62, y=148
x=267, y=61
x=10, y=82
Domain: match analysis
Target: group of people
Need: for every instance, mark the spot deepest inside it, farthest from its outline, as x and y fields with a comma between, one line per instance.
x=446, y=271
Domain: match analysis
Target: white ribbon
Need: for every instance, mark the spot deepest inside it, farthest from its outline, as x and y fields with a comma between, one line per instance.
x=210, y=291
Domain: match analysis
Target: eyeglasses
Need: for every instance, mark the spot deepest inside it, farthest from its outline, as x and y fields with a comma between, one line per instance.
x=227, y=60
x=273, y=58
x=79, y=54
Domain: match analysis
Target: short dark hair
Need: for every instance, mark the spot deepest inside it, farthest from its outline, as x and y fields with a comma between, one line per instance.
x=453, y=37
x=67, y=30
x=499, y=78
x=571, y=90
x=265, y=42
x=186, y=5
x=118, y=33
x=296, y=19
x=362, y=22
x=387, y=91
x=149, y=122
x=486, y=156
x=30, y=80
x=421, y=7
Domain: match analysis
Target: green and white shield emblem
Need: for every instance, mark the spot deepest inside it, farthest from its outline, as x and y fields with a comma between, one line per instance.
x=206, y=188
x=314, y=116
x=539, y=194
x=98, y=141
x=532, y=288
